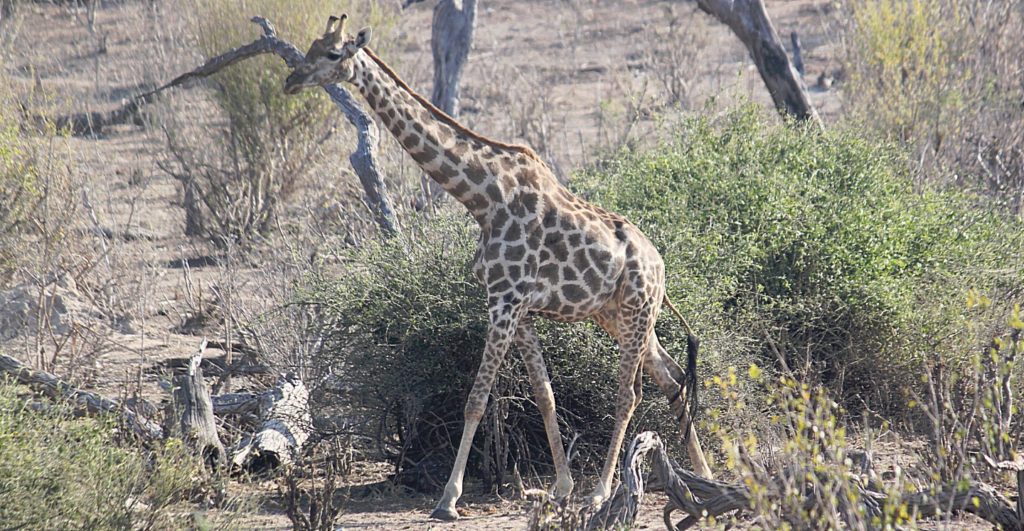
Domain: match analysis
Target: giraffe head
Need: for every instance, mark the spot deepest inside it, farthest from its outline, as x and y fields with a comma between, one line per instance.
x=329, y=59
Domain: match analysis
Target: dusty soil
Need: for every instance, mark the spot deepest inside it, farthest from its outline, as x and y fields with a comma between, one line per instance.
x=572, y=78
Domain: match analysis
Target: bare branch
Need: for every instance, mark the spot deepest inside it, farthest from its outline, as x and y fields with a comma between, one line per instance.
x=363, y=159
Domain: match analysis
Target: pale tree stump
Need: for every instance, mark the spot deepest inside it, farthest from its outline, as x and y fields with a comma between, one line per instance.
x=198, y=425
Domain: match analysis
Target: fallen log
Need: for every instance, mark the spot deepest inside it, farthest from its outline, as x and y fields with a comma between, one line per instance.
x=237, y=404
x=57, y=389
x=286, y=426
x=217, y=366
x=198, y=427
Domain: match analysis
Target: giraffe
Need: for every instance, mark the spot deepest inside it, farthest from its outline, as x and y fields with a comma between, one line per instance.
x=542, y=252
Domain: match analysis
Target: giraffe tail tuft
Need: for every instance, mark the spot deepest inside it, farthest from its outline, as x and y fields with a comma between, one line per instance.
x=692, y=346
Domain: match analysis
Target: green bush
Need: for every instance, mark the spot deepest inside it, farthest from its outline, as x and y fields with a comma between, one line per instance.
x=62, y=472
x=776, y=239
x=816, y=248
x=406, y=324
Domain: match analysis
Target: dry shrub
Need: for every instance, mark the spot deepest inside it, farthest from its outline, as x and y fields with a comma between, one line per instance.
x=239, y=171
x=803, y=472
x=943, y=77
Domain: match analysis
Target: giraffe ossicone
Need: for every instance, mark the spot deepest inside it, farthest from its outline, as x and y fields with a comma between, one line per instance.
x=542, y=252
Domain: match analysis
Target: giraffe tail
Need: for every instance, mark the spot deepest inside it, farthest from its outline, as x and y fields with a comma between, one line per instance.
x=691, y=383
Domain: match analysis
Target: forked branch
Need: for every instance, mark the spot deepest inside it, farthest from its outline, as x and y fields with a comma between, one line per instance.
x=363, y=159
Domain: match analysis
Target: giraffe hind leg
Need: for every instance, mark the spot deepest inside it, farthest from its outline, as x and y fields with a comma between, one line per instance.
x=635, y=330
x=671, y=379
x=529, y=347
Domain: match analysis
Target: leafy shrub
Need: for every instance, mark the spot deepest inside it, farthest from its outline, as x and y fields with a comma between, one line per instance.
x=941, y=76
x=813, y=249
x=62, y=472
x=237, y=177
x=406, y=324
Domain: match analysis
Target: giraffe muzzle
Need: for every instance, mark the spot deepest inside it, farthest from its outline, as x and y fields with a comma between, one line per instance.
x=294, y=84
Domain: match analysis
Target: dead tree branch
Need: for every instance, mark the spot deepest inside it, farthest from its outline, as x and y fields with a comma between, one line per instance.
x=57, y=389
x=363, y=159
x=749, y=20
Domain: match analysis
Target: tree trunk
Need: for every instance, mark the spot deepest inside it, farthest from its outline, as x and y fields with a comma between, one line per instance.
x=198, y=425
x=749, y=20
x=451, y=37
x=285, y=428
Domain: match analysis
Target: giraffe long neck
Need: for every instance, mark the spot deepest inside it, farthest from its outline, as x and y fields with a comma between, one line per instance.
x=467, y=166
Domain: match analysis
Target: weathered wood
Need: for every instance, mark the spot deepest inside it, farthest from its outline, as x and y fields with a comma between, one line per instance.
x=218, y=366
x=749, y=20
x=237, y=404
x=451, y=38
x=285, y=428
x=57, y=389
x=798, y=55
x=198, y=425
x=623, y=506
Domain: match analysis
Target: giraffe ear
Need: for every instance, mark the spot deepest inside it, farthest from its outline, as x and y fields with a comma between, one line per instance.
x=363, y=38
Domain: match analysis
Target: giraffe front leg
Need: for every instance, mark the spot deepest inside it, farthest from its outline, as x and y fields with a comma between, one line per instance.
x=503, y=322
x=529, y=347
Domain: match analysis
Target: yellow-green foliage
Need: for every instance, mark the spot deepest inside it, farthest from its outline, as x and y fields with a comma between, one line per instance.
x=19, y=190
x=909, y=56
x=802, y=470
x=34, y=179
x=942, y=77
x=62, y=472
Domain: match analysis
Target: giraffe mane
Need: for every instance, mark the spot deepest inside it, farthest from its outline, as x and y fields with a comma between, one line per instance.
x=443, y=116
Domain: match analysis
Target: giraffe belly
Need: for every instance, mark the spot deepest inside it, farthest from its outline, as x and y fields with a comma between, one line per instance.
x=569, y=294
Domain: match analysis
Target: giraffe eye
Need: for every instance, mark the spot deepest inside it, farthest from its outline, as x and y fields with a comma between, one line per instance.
x=333, y=56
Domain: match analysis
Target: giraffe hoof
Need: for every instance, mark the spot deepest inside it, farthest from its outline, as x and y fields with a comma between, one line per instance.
x=445, y=514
